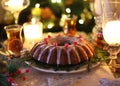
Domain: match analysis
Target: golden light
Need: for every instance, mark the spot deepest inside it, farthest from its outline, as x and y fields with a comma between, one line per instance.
x=53, y=1
x=37, y=5
x=36, y=11
x=50, y=25
x=111, y=32
x=56, y=1
x=81, y=21
x=59, y=1
x=62, y=20
x=33, y=33
x=68, y=10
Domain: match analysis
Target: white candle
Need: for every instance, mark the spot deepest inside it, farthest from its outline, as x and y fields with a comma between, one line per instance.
x=111, y=32
x=32, y=33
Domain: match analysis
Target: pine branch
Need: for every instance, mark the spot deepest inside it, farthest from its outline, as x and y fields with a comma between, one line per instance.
x=3, y=80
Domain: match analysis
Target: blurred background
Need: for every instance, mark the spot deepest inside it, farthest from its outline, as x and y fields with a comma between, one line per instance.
x=52, y=13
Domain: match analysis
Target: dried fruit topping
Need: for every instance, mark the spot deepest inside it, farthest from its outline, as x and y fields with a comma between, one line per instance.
x=54, y=44
x=66, y=45
x=75, y=43
x=49, y=36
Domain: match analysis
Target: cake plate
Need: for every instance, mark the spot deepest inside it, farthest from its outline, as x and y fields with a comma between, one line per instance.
x=81, y=69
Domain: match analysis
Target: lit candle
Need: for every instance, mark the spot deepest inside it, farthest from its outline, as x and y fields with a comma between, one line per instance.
x=32, y=33
x=111, y=32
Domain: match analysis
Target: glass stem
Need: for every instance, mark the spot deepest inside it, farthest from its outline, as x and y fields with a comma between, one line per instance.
x=113, y=50
x=16, y=14
x=113, y=58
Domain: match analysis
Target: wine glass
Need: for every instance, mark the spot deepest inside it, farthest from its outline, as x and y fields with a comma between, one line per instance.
x=96, y=8
x=15, y=7
x=111, y=28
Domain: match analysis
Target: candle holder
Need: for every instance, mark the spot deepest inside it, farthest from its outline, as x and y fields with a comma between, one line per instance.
x=111, y=29
x=15, y=7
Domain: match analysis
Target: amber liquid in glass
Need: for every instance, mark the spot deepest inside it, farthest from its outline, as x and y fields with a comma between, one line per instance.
x=70, y=27
x=14, y=45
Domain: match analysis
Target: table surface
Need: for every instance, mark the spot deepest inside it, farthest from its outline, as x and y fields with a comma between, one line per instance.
x=38, y=78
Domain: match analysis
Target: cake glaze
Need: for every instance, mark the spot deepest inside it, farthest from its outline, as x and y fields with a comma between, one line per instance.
x=62, y=50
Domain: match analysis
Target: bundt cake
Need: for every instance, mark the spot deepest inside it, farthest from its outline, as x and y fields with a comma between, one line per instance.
x=62, y=50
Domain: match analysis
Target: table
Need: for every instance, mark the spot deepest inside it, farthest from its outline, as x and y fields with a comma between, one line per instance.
x=38, y=78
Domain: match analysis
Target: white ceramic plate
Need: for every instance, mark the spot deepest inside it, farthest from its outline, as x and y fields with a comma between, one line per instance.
x=81, y=69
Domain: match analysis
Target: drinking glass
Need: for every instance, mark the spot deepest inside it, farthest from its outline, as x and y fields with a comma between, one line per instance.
x=96, y=8
x=14, y=39
x=70, y=25
x=111, y=28
x=15, y=7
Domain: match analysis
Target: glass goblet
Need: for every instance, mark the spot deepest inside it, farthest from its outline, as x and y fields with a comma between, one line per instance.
x=96, y=8
x=15, y=7
x=111, y=28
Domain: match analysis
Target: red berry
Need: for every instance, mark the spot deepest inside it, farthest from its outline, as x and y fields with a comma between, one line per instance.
x=100, y=36
x=75, y=43
x=18, y=71
x=66, y=45
x=81, y=39
x=46, y=40
x=54, y=44
x=27, y=70
x=49, y=36
x=23, y=78
x=10, y=79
